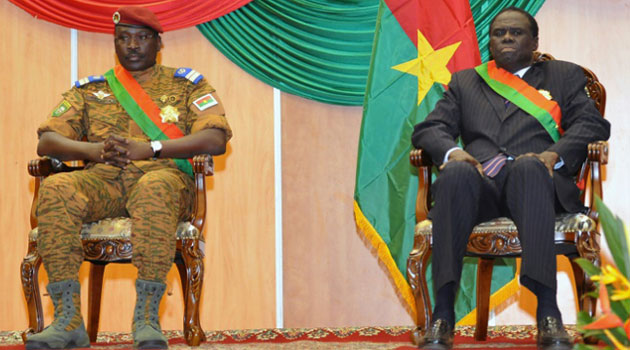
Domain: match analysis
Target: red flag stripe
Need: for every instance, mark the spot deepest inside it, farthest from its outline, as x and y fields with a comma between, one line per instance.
x=442, y=22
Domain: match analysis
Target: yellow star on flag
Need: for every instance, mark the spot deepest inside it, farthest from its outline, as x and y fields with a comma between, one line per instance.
x=429, y=66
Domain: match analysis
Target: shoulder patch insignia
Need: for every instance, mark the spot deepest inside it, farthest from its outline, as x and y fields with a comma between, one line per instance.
x=188, y=73
x=62, y=108
x=90, y=79
x=204, y=102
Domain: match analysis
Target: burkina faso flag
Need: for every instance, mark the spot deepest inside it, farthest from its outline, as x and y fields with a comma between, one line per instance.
x=418, y=45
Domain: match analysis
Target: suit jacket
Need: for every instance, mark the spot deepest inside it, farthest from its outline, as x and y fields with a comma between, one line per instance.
x=470, y=109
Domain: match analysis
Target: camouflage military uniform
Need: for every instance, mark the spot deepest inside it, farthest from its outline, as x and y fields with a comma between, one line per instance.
x=154, y=193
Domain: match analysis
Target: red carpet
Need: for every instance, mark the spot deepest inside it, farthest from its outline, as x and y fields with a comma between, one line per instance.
x=359, y=338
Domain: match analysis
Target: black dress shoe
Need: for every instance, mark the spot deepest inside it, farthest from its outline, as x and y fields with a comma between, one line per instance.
x=552, y=335
x=439, y=335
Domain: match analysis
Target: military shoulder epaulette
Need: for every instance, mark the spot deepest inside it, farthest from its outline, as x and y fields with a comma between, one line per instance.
x=90, y=79
x=189, y=74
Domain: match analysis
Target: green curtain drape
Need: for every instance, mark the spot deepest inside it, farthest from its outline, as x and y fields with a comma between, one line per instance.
x=318, y=49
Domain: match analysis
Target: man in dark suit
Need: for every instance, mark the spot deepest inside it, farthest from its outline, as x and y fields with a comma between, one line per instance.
x=510, y=166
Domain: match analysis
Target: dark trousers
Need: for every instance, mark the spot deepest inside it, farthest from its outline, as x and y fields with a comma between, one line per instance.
x=522, y=191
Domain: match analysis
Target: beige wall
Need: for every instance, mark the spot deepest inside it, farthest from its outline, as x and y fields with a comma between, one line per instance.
x=331, y=278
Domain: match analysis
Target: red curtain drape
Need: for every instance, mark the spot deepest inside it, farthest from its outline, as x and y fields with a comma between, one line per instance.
x=96, y=16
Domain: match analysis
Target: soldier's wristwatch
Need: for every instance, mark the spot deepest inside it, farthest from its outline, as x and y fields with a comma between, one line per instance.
x=156, y=146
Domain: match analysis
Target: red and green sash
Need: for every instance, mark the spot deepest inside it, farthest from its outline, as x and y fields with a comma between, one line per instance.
x=141, y=108
x=524, y=96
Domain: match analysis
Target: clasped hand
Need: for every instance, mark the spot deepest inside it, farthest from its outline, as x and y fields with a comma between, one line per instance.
x=119, y=151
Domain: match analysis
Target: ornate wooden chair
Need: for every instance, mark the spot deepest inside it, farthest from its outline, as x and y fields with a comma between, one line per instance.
x=108, y=241
x=576, y=235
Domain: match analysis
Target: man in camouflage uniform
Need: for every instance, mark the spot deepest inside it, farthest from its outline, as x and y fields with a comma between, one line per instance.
x=127, y=174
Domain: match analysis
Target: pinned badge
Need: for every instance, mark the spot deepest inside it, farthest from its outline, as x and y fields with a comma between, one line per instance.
x=100, y=94
x=163, y=98
x=545, y=93
x=116, y=17
x=169, y=114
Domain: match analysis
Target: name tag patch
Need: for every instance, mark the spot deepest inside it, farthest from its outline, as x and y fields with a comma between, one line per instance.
x=204, y=102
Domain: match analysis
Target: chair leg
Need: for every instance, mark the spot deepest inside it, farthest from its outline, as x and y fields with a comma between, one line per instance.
x=30, y=285
x=191, y=274
x=416, y=274
x=95, y=289
x=484, y=280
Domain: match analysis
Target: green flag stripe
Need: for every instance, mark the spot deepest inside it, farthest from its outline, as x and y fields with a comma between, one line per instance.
x=512, y=95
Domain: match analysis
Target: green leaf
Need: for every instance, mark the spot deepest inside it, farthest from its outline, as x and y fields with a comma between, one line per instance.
x=580, y=346
x=593, y=294
x=588, y=267
x=626, y=306
x=593, y=333
x=615, y=237
x=583, y=318
x=620, y=334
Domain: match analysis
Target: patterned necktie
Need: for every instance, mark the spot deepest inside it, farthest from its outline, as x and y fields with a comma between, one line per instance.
x=492, y=167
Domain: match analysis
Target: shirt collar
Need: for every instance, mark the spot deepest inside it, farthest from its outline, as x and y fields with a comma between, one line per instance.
x=520, y=73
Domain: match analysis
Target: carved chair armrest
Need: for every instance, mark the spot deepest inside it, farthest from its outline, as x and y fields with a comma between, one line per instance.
x=422, y=161
x=598, y=152
x=597, y=156
x=419, y=158
x=42, y=167
x=203, y=166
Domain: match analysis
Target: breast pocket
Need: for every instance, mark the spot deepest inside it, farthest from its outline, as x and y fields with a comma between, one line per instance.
x=106, y=119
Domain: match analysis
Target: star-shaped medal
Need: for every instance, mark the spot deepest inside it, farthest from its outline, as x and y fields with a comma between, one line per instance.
x=169, y=114
x=545, y=93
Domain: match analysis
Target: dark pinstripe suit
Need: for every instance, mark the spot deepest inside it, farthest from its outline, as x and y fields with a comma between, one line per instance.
x=523, y=189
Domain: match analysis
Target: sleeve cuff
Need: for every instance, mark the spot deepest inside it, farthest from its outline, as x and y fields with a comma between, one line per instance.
x=448, y=153
x=559, y=164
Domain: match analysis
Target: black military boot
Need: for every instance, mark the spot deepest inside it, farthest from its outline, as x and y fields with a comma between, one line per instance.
x=67, y=330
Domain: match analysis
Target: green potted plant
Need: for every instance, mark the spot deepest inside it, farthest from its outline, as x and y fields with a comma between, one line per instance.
x=613, y=287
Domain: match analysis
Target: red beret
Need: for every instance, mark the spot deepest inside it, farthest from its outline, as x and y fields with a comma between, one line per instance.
x=137, y=16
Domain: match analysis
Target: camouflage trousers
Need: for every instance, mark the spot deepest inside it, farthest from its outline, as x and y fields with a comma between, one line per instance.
x=155, y=198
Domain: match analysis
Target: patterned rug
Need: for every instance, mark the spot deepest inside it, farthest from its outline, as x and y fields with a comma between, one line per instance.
x=359, y=338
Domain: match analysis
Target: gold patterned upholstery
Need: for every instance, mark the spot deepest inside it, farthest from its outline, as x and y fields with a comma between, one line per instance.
x=564, y=223
x=120, y=228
